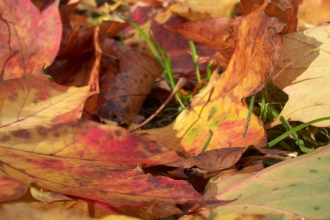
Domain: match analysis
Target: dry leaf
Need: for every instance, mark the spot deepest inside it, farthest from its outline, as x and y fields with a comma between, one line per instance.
x=303, y=73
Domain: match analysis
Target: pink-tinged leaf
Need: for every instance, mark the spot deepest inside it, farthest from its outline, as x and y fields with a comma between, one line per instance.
x=29, y=39
x=12, y=188
x=43, y=140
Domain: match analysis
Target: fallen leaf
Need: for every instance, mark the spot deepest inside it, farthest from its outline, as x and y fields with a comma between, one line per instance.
x=84, y=40
x=14, y=188
x=218, y=33
x=303, y=73
x=231, y=217
x=123, y=92
x=27, y=212
x=47, y=196
x=78, y=62
x=43, y=141
x=81, y=69
x=296, y=188
x=217, y=159
x=86, y=207
x=20, y=52
x=313, y=13
x=174, y=45
x=66, y=12
x=217, y=116
x=213, y=7
x=284, y=10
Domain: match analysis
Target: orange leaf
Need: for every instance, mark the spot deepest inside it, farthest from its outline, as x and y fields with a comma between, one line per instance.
x=217, y=116
x=313, y=12
x=284, y=10
x=30, y=39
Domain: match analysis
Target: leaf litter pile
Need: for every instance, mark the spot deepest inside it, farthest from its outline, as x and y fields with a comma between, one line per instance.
x=75, y=87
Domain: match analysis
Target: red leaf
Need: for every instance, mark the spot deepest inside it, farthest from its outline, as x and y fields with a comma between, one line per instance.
x=29, y=39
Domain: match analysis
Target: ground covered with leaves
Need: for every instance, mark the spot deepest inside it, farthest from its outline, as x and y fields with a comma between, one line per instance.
x=164, y=109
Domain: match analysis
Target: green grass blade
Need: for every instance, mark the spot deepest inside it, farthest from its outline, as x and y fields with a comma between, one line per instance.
x=145, y=37
x=263, y=107
x=194, y=58
x=209, y=71
x=169, y=75
x=288, y=127
x=298, y=141
x=247, y=123
x=286, y=134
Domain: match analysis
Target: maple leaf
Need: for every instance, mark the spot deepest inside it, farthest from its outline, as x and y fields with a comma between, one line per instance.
x=43, y=140
x=217, y=117
x=301, y=71
x=29, y=40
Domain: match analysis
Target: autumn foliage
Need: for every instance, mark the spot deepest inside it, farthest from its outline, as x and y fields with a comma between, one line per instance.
x=70, y=92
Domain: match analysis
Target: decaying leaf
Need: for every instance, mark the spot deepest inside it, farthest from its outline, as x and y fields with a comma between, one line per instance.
x=30, y=39
x=303, y=73
x=296, y=188
x=123, y=91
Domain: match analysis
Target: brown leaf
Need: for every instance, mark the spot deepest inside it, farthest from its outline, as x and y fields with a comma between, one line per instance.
x=30, y=39
x=66, y=12
x=123, y=92
x=217, y=159
x=81, y=69
x=83, y=40
x=218, y=33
